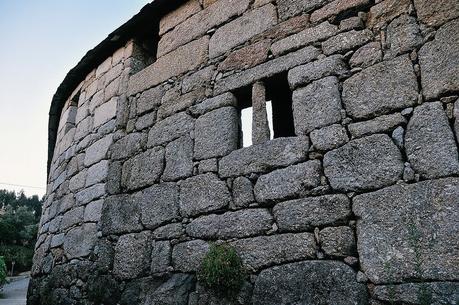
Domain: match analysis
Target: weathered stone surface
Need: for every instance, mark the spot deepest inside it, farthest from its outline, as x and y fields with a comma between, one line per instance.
x=170, y=129
x=98, y=151
x=380, y=124
x=264, y=157
x=266, y=70
x=263, y=251
x=216, y=133
x=171, y=104
x=362, y=97
x=143, y=169
x=303, y=38
x=336, y=7
x=313, y=282
x=405, y=231
x=120, y=214
x=304, y=214
x=188, y=256
x=105, y=112
x=286, y=28
x=223, y=100
x=242, y=192
x=200, y=23
x=242, y=29
x=97, y=173
x=316, y=105
x=203, y=193
x=160, y=256
x=159, y=204
x=385, y=11
x=170, y=231
x=403, y=35
x=132, y=255
x=72, y=217
x=173, y=291
x=429, y=141
x=179, y=61
x=179, y=15
x=436, y=293
x=293, y=181
x=198, y=80
x=338, y=241
x=145, y=121
x=367, y=55
x=302, y=75
x=289, y=8
x=57, y=240
x=439, y=68
x=149, y=99
x=364, y=164
x=351, y=23
x=179, y=159
x=246, y=57
x=344, y=42
x=238, y=224
x=89, y=194
x=128, y=145
x=78, y=181
x=93, y=211
x=209, y=165
x=80, y=241
x=329, y=137
x=435, y=13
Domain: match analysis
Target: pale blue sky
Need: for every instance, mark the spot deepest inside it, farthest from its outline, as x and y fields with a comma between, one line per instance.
x=41, y=41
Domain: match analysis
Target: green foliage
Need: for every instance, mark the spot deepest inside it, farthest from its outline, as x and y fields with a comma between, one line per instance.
x=21, y=255
x=18, y=228
x=2, y=272
x=222, y=270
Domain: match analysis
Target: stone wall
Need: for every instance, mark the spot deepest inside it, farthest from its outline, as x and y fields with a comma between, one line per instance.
x=358, y=205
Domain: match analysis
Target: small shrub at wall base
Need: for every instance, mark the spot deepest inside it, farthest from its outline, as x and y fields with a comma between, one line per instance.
x=222, y=271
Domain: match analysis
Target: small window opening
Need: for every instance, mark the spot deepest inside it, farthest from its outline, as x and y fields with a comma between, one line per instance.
x=244, y=105
x=280, y=95
x=265, y=111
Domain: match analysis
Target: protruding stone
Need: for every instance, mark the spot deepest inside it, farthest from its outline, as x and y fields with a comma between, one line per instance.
x=302, y=75
x=120, y=214
x=243, y=223
x=317, y=105
x=80, y=241
x=171, y=128
x=179, y=159
x=430, y=144
x=242, y=29
x=380, y=124
x=223, y=100
x=293, y=181
x=385, y=11
x=329, y=137
x=404, y=232
x=439, y=68
x=436, y=13
x=338, y=241
x=242, y=192
x=262, y=158
x=188, y=256
x=98, y=151
x=216, y=133
x=305, y=283
x=364, y=164
x=367, y=55
x=132, y=255
x=203, y=193
x=307, y=213
x=344, y=42
x=363, y=98
x=263, y=251
x=143, y=169
x=159, y=204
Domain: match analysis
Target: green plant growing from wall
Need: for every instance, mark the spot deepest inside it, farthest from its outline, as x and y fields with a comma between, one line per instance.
x=222, y=271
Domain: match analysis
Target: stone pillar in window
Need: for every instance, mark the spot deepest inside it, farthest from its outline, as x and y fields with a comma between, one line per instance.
x=260, y=126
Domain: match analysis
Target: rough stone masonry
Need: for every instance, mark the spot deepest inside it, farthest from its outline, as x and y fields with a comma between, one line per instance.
x=351, y=198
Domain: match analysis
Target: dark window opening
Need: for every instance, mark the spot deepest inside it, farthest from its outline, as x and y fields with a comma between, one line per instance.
x=280, y=95
x=244, y=107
